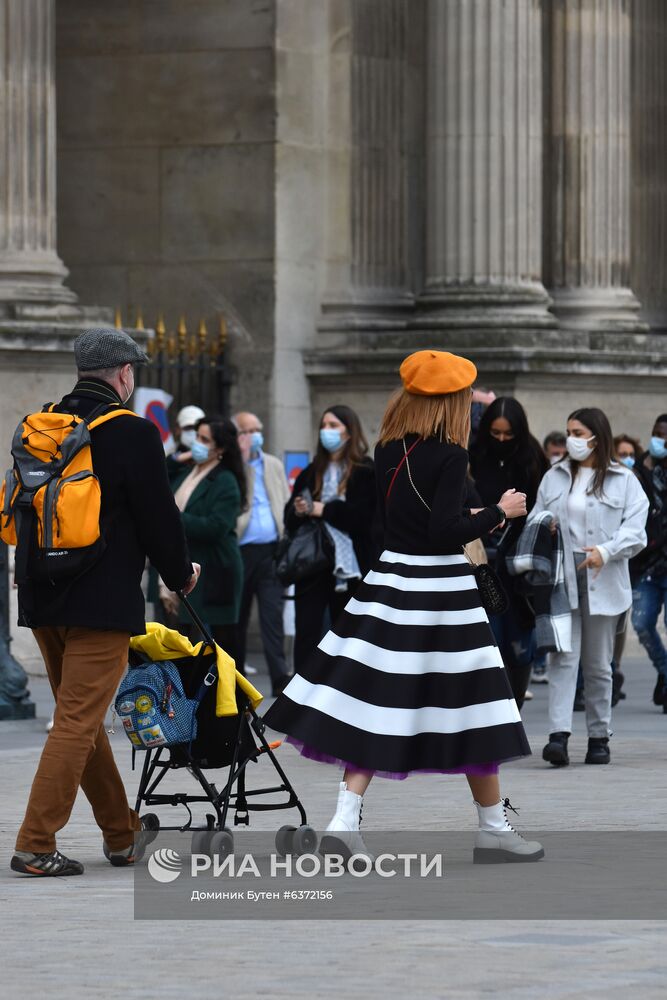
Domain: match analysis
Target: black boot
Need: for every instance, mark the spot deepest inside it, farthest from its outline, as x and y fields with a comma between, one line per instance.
x=659, y=691
x=598, y=750
x=556, y=749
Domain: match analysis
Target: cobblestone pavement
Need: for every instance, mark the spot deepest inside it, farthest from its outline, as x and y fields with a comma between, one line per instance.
x=76, y=937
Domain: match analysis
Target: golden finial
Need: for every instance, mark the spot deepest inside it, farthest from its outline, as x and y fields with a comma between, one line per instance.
x=182, y=328
x=139, y=322
x=172, y=348
x=192, y=348
x=150, y=347
x=160, y=331
x=201, y=330
x=118, y=319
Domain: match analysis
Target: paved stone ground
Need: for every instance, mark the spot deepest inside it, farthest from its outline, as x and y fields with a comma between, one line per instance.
x=76, y=937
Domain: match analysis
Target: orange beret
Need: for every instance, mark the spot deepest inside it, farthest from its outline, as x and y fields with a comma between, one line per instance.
x=436, y=373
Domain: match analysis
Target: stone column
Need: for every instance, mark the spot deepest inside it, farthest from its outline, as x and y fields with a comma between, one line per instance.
x=649, y=160
x=368, y=280
x=30, y=269
x=588, y=165
x=483, y=169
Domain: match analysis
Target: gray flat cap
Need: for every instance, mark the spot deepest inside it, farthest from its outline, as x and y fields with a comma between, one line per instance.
x=106, y=347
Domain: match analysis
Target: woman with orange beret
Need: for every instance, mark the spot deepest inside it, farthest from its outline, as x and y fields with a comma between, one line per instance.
x=409, y=679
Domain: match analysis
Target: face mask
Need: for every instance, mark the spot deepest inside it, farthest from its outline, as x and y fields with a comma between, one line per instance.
x=577, y=448
x=256, y=441
x=502, y=449
x=331, y=439
x=200, y=453
x=628, y=461
x=188, y=438
x=554, y=459
x=127, y=398
x=658, y=448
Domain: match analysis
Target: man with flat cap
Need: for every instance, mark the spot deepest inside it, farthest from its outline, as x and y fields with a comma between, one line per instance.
x=83, y=625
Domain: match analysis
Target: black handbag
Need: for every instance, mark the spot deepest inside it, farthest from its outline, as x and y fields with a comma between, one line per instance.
x=491, y=591
x=306, y=553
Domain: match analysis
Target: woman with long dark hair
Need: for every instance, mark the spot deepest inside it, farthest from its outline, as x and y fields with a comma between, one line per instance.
x=507, y=455
x=601, y=509
x=339, y=487
x=210, y=497
x=409, y=679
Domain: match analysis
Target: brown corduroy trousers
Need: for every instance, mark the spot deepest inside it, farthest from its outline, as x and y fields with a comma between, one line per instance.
x=84, y=667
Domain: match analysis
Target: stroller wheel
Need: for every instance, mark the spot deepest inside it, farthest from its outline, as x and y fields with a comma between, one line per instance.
x=201, y=842
x=222, y=843
x=285, y=840
x=304, y=840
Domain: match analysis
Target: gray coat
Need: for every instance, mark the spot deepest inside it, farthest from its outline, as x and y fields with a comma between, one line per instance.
x=616, y=520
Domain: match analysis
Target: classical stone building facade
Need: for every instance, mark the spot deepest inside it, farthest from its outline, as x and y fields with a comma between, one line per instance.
x=347, y=180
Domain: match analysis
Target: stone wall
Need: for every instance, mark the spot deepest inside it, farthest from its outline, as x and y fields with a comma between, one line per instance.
x=166, y=165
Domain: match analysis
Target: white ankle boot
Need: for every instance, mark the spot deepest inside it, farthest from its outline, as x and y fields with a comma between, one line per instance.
x=345, y=838
x=498, y=841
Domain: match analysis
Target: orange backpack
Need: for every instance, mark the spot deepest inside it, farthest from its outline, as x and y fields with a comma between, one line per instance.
x=50, y=498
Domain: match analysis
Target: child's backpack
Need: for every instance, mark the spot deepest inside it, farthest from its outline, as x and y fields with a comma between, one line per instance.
x=50, y=498
x=153, y=707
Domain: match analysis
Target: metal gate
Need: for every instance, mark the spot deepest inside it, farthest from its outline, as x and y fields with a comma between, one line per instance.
x=191, y=367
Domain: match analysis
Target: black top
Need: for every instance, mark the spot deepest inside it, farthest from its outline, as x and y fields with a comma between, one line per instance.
x=439, y=473
x=139, y=518
x=354, y=515
x=494, y=475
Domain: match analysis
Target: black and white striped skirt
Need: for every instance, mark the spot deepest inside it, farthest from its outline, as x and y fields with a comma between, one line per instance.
x=409, y=678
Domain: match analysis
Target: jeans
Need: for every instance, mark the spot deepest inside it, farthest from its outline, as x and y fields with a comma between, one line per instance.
x=592, y=644
x=517, y=648
x=649, y=596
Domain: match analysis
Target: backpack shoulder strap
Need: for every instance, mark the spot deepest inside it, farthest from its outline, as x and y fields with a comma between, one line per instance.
x=98, y=421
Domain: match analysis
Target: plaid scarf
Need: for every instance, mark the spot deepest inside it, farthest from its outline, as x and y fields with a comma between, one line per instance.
x=539, y=560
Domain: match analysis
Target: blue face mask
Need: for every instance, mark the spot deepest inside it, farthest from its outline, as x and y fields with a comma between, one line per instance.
x=658, y=448
x=256, y=441
x=628, y=461
x=331, y=439
x=200, y=453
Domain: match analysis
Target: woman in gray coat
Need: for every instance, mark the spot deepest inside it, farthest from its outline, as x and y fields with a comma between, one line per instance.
x=601, y=509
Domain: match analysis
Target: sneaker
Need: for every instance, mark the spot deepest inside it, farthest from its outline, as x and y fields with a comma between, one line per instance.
x=50, y=865
x=555, y=752
x=528, y=696
x=598, y=750
x=150, y=827
x=539, y=674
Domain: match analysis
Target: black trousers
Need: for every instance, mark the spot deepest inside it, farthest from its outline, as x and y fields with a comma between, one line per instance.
x=260, y=581
x=316, y=605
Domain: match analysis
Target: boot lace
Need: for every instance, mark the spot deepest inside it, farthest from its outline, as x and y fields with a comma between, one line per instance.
x=506, y=804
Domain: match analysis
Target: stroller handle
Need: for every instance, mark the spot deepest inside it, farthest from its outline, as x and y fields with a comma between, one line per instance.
x=196, y=619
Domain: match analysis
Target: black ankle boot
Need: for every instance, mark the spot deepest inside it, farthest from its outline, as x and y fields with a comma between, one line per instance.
x=556, y=749
x=598, y=750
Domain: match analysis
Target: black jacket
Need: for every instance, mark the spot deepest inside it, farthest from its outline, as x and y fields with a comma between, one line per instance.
x=439, y=474
x=139, y=518
x=354, y=515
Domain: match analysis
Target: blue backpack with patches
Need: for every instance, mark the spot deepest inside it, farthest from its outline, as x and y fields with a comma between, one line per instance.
x=153, y=708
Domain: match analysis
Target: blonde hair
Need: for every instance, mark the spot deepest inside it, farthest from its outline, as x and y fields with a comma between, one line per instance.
x=447, y=417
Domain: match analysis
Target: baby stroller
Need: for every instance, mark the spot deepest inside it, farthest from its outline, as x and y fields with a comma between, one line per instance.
x=231, y=741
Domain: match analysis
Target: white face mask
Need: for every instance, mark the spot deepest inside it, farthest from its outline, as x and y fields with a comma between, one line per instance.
x=578, y=448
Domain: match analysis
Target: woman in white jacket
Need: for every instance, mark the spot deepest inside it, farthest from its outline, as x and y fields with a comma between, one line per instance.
x=601, y=509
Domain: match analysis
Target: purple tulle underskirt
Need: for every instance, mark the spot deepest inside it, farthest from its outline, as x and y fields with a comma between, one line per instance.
x=474, y=770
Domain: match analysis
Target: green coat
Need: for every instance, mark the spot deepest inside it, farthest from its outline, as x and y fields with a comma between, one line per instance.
x=209, y=520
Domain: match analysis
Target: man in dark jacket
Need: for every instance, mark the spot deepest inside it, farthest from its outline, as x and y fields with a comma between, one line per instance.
x=83, y=626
